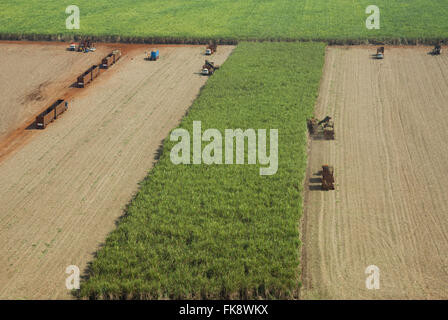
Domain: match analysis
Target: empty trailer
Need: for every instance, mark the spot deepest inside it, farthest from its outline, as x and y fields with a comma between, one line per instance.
x=110, y=59
x=60, y=108
x=117, y=55
x=51, y=113
x=88, y=76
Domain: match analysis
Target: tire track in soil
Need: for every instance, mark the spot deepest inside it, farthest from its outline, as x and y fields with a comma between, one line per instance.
x=65, y=189
x=390, y=205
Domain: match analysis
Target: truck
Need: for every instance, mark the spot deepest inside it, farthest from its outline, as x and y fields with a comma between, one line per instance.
x=51, y=113
x=327, y=177
x=72, y=47
x=153, y=55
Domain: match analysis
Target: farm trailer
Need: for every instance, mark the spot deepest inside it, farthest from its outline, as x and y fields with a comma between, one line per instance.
x=51, y=113
x=94, y=71
x=88, y=76
x=110, y=59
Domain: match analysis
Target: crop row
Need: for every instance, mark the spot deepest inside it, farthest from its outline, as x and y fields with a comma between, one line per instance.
x=229, y=19
x=221, y=230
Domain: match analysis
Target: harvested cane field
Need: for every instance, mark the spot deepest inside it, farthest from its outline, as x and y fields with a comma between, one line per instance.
x=390, y=205
x=62, y=191
x=185, y=21
x=98, y=188
x=222, y=231
x=35, y=75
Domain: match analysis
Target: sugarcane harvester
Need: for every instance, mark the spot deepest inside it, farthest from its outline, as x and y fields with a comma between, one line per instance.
x=327, y=177
x=437, y=50
x=72, y=47
x=321, y=129
x=209, y=68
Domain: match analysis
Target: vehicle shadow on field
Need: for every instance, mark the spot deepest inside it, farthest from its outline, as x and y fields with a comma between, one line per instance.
x=159, y=152
x=73, y=85
x=315, y=182
x=318, y=137
x=375, y=57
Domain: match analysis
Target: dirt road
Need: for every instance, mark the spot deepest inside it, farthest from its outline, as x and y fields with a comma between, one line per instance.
x=390, y=207
x=64, y=189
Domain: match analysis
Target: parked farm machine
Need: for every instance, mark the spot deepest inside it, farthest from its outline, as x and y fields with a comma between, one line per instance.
x=84, y=46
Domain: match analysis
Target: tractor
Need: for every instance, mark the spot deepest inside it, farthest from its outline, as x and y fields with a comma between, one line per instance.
x=209, y=68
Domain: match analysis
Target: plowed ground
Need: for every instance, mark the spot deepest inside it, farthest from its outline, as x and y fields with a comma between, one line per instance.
x=390, y=206
x=33, y=75
x=62, y=191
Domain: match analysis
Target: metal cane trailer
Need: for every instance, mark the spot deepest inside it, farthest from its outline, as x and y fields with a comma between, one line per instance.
x=51, y=113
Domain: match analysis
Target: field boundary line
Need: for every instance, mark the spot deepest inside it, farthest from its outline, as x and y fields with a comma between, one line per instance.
x=207, y=40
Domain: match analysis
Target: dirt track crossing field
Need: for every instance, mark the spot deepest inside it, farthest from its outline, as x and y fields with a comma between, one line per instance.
x=64, y=189
x=390, y=207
